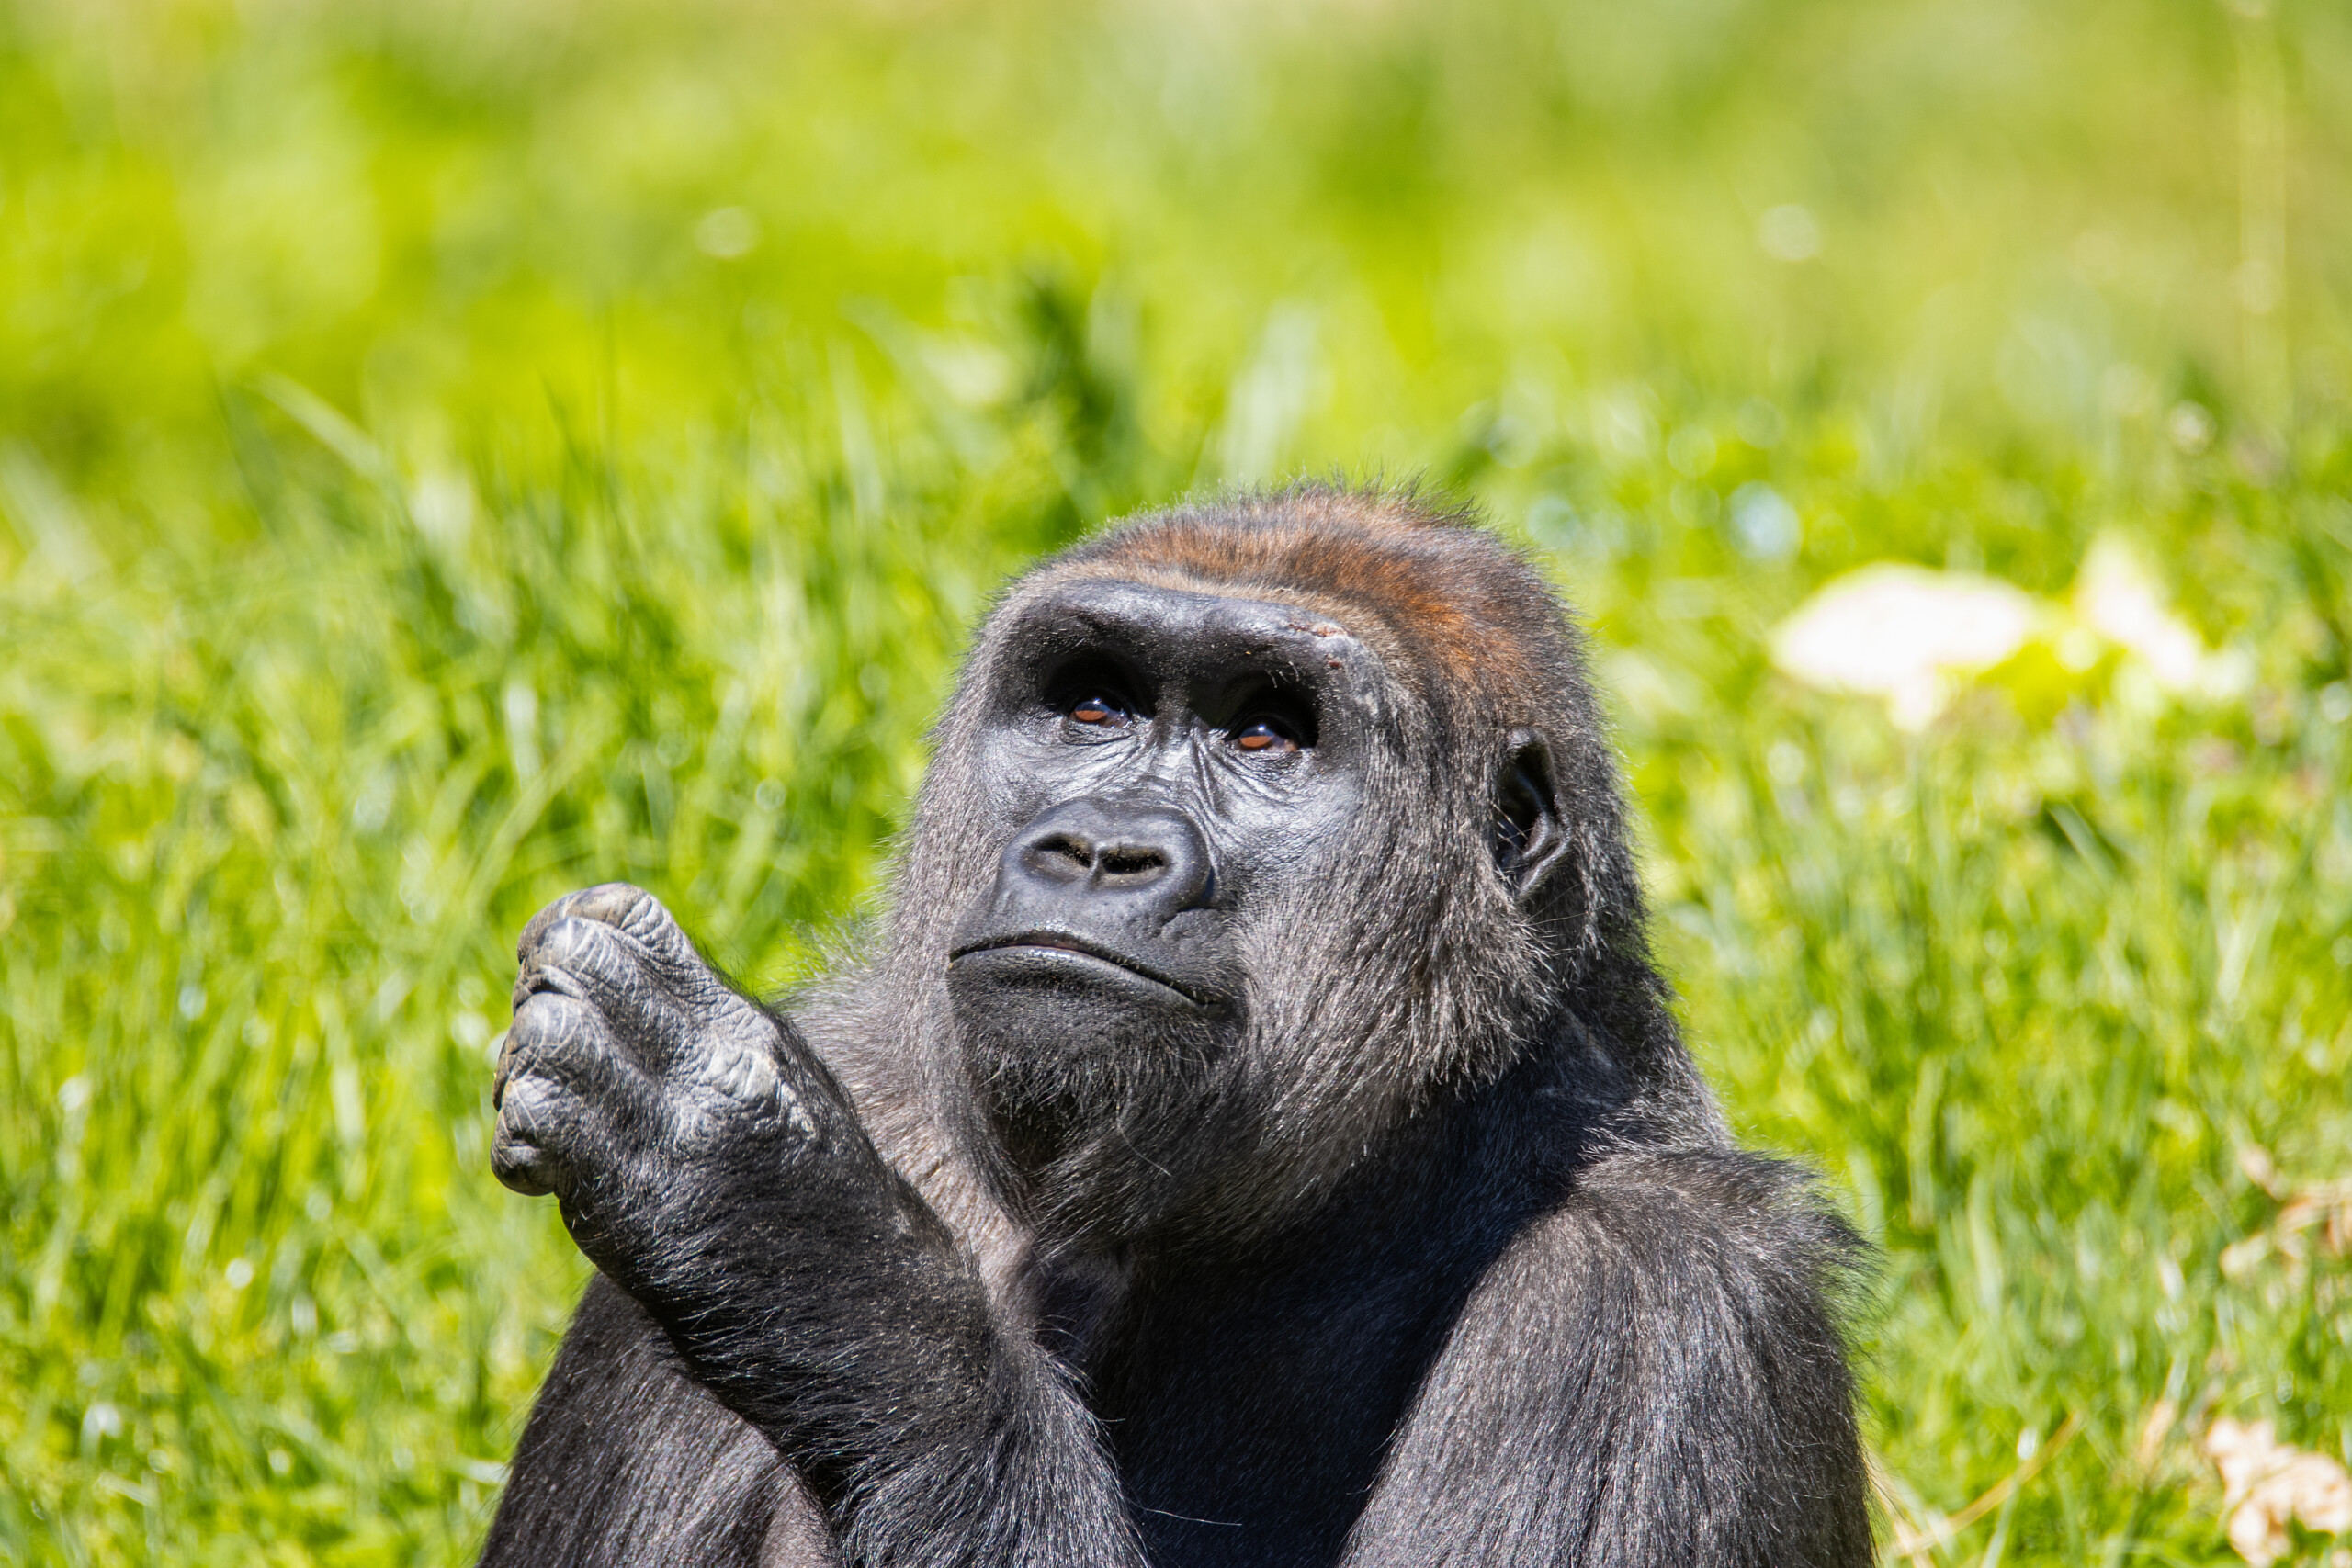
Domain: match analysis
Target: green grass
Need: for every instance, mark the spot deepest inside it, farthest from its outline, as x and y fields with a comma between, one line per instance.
x=452, y=453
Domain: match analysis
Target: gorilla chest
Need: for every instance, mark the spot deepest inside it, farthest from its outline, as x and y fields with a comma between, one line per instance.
x=1250, y=1431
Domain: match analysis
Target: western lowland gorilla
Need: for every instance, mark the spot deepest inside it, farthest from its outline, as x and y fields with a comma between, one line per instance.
x=1257, y=1136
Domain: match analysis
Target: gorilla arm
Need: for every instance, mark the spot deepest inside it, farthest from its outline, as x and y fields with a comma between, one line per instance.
x=628, y=1460
x=1652, y=1374
x=712, y=1167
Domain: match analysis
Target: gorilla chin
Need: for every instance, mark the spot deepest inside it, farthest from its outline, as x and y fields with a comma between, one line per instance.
x=1081, y=1055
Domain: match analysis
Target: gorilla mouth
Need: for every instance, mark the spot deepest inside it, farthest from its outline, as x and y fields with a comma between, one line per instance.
x=1065, y=942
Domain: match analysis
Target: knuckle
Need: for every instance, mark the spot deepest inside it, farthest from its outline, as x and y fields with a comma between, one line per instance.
x=510, y=1145
x=648, y=918
x=609, y=904
x=573, y=941
x=562, y=1045
x=634, y=913
x=580, y=955
x=525, y=1046
x=612, y=903
x=525, y=1116
x=546, y=1021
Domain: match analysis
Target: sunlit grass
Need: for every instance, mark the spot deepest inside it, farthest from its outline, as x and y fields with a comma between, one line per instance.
x=451, y=453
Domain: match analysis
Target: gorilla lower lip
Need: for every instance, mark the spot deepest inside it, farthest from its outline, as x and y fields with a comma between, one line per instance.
x=1061, y=941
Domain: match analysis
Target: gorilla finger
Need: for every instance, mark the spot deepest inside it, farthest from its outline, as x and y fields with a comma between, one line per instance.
x=645, y=919
x=607, y=901
x=596, y=963
x=536, y=931
x=625, y=907
x=520, y=1152
x=562, y=1039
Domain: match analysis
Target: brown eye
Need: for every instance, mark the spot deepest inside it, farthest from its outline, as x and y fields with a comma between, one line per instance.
x=1097, y=710
x=1263, y=736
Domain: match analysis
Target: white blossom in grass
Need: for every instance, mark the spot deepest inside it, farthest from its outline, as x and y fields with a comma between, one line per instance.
x=1904, y=635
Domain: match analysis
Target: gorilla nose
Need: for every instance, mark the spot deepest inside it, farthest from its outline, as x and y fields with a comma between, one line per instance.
x=1087, y=847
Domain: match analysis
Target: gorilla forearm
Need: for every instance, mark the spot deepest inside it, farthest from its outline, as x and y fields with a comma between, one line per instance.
x=868, y=1355
x=1028, y=1486
x=844, y=1336
x=628, y=1459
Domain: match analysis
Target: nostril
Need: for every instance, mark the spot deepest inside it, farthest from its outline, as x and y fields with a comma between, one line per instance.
x=1062, y=854
x=1129, y=864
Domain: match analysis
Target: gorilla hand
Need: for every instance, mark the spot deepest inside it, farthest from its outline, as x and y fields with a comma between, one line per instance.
x=713, y=1169
x=666, y=1112
x=630, y=1061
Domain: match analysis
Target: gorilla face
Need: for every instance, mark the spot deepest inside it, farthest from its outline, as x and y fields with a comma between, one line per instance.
x=1160, y=768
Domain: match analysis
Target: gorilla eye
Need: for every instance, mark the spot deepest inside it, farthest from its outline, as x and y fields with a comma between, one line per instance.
x=1265, y=735
x=1098, y=710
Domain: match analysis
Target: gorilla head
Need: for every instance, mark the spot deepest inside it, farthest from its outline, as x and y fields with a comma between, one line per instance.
x=1252, y=828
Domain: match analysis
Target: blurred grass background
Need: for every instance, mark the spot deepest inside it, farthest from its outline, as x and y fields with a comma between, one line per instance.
x=453, y=453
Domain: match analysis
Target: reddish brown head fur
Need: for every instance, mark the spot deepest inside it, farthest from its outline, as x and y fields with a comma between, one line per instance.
x=1443, y=600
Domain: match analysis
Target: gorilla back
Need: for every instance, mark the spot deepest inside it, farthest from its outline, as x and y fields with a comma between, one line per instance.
x=1258, y=1134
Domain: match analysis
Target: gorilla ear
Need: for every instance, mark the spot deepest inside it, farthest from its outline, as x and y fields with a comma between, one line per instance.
x=1527, y=834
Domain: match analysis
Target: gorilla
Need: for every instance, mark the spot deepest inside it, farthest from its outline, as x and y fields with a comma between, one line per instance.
x=1257, y=1134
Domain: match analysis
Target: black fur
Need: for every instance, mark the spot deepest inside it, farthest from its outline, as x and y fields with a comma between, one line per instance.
x=1235, y=1151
